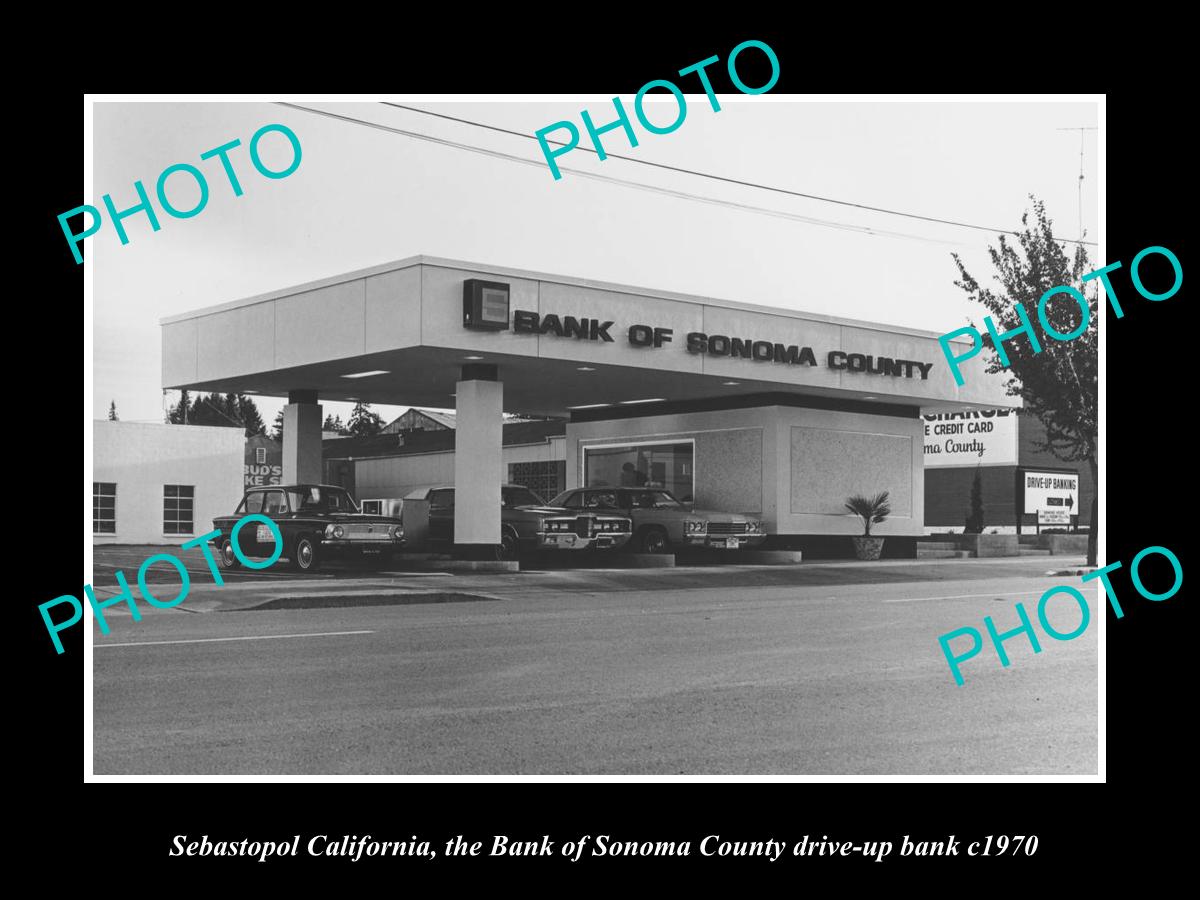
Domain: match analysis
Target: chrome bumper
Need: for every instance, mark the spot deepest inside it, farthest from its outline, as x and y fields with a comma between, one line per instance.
x=723, y=541
x=568, y=540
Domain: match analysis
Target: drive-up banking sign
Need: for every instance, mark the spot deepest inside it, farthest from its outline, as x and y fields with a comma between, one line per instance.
x=1054, y=496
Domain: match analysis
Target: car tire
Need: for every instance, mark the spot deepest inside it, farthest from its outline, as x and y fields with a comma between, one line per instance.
x=654, y=540
x=226, y=558
x=306, y=554
x=509, y=547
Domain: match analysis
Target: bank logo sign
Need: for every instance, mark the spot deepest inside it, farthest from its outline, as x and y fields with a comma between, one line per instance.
x=985, y=437
x=486, y=307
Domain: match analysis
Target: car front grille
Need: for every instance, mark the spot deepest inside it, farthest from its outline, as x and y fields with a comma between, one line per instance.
x=363, y=531
x=727, y=527
x=584, y=526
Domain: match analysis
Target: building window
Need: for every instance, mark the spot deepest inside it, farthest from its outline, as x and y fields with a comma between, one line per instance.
x=669, y=466
x=177, y=508
x=104, y=507
x=543, y=478
x=260, y=455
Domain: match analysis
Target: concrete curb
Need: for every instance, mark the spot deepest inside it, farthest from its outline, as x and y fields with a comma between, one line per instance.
x=768, y=557
x=468, y=565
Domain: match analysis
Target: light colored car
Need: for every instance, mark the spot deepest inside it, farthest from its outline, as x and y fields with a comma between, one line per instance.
x=661, y=523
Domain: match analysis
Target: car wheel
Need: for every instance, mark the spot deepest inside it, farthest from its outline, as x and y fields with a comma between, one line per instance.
x=306, y=554
x=654, y=540
x=508, y=548
x=227, y=558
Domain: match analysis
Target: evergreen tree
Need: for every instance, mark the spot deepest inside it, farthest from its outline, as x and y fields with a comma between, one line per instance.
x=277, y=428
x=334, y=423
x=363, y=421
x=112, y=411
x=975, y=517
x=1059, y=385
x=180, y=411
x=249, y=416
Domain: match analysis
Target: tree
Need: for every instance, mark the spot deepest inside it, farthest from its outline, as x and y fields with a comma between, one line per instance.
x=277, y=428
x=975, y=516
x=112, y=411
x=179, y=412
x=334, y=423
x=363, y=421
x=248, y=415
x=213, y=409
x=1059, y=385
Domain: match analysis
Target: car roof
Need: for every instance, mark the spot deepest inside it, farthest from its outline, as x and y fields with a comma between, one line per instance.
x=419, y=493
x=290, y=487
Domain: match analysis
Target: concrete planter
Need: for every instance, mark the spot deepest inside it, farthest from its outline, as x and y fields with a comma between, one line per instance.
x=868, y=547
x=989, y=544
x=1064, y=544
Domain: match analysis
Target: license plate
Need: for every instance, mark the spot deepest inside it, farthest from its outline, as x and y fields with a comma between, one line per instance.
x=263, y=535
x=731, y=543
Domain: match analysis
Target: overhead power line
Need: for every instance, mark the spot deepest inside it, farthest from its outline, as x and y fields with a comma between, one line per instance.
x=727, y=180
x=683, y=195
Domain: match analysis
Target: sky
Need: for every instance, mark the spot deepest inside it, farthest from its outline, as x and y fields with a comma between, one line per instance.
x=362, y=196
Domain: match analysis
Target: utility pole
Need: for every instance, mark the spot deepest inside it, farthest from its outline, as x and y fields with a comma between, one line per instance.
x=1081, y=131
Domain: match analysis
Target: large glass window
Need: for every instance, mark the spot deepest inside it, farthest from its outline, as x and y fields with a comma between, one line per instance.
x=178, y=500
x=320, y=499
x=668, y=466
x=104, y=507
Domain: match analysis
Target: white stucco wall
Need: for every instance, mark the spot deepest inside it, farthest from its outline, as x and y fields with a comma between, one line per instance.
x=793, y=466
x=140, y=458
x=385, y=477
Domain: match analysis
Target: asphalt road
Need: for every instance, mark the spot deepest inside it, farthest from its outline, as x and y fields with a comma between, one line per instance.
x=725, y=671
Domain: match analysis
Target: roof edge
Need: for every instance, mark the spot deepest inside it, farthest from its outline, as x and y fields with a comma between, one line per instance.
x=531, y=275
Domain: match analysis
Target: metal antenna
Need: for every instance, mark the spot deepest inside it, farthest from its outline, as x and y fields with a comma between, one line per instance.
x=1081, y=131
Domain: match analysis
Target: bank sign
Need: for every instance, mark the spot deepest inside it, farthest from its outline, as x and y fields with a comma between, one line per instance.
x=985, y=437
x=486, y=308
x=1054, y=496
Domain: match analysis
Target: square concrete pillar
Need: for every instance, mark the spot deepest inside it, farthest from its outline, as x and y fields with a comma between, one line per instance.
x=302, y=443
x=478, y=463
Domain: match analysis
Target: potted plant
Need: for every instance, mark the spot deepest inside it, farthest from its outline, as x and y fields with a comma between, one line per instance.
x=872, y=510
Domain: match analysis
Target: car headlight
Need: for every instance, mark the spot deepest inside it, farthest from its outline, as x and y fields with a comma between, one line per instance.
x=753, y=527
x=338, y=531
x=397, y=533
x=695, y=526
x=328, y=531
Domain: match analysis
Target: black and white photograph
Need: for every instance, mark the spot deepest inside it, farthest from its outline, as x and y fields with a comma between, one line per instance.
x=537, y=437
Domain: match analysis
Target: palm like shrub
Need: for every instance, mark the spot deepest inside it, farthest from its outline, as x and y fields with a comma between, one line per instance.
x=872, y=510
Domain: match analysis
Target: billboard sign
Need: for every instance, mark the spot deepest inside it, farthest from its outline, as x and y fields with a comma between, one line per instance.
x=983, y=437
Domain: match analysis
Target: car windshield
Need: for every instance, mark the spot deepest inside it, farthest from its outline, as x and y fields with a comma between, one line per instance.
x=653, y=500
x=513, y=497
x=320, y=499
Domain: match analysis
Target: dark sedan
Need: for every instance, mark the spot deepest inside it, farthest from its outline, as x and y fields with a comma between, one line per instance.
x=316, y=521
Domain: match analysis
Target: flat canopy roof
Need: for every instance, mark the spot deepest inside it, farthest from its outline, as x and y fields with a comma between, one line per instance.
x=395, y=334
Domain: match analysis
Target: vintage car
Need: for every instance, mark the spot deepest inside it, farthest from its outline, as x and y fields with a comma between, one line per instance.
x=526, y=523
x=316, y=521
x=661, y=523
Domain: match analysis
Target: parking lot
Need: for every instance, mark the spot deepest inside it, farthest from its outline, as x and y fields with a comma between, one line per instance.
x=819, y=668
